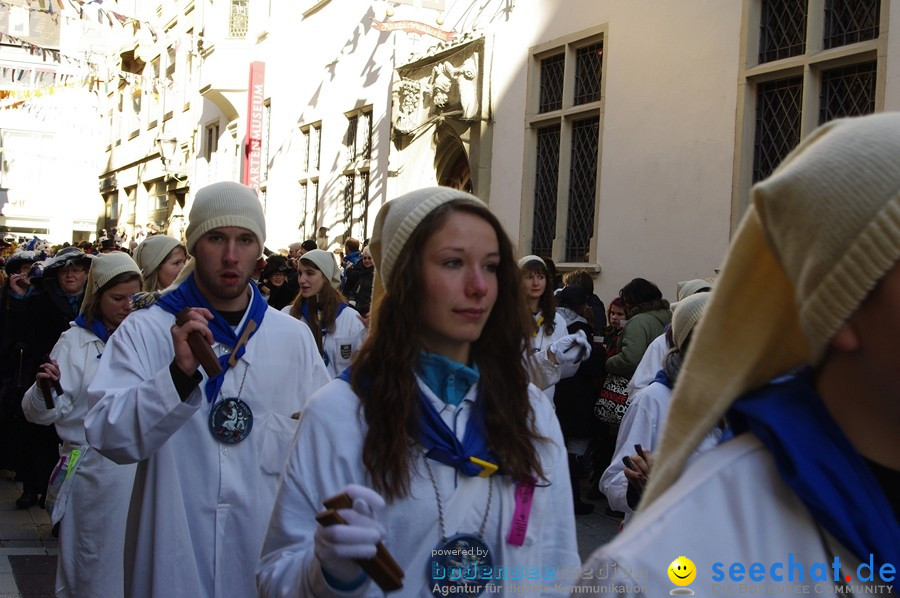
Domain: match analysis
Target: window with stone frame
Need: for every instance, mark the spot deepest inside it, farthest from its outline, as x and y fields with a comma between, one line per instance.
x=358, y=151
x=564, y=117
x=816, y=61
x=310, y=143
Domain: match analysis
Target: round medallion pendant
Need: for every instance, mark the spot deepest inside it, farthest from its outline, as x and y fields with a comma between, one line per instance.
x=230, y=421
x=460, y=565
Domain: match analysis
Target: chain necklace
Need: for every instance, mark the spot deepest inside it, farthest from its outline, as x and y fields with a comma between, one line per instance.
x=231, y=419
x=462, y=563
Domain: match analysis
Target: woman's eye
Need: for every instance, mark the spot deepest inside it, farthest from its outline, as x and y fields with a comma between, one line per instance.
x=492, y=267
x=452, y=263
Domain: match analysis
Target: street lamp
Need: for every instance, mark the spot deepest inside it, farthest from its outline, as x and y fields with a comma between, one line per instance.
x=166, y=147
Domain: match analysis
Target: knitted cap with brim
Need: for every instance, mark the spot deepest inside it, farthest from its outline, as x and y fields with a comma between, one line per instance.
x=225, y=204
x=104, y=268
x=396, y=221
x=152, y=252
x=819, y=235
x=325, y=263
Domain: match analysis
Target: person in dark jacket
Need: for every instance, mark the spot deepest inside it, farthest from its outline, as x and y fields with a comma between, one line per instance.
x=42, y=316
x=280, y=280
x=575, y=394
x=359, y=283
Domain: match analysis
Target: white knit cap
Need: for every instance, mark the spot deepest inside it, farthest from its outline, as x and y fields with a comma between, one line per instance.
x=395, y=222
x=324, y=261
x=152, y=252
x=686, y=288
x=531, y=258
x=820, y=234
x=105, y=267
x=225, y=204
x=685, y=315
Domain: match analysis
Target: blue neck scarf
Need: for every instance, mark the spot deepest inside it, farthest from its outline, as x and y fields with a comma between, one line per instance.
x=448, y=380
x=441, y=443
x=96, y=327
x=820, y=465
x=663, y=379
x=188, y=295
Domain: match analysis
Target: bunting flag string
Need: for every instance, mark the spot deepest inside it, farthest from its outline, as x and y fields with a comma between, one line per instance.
x=154, y=83
x=103, y=14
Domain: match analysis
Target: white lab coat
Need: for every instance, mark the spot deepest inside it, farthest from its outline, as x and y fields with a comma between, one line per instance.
x=642, y=424
x=200, y=507
x=730, y=505
x=92, y=505
x=544, y=373
x=340, y=345
x=328, y=455
x=650, y=363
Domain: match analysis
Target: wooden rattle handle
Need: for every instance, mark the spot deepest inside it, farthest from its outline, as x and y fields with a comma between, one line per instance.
x=200, y=348
x=383, y=569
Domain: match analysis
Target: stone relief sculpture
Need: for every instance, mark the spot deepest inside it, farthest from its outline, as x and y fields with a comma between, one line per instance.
x=407, y=116
x=455, y=88
x=448, y=87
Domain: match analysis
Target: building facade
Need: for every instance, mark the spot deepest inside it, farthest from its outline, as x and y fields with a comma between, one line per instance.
x=620, y=137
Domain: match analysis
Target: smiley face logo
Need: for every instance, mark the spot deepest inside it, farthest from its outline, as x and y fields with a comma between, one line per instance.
x=682, y=571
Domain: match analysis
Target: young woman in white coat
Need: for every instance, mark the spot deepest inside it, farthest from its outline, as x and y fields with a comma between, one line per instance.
x=434, y=433
x=339, y=330
x=91, y=492
x=553, y=353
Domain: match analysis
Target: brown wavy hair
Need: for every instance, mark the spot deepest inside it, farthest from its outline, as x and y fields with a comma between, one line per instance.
x=383, y=369
x=327, y=300
x=547, y=302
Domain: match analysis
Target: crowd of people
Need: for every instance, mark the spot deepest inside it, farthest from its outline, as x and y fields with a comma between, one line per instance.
x=200, y=420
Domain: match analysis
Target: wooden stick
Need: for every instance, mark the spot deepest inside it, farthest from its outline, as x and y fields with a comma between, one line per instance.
x=200, y=348
x=251, y=326
x=383, y=569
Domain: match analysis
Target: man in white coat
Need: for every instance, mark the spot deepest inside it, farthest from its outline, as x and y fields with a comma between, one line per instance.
x=799, y=349
x=209, y=449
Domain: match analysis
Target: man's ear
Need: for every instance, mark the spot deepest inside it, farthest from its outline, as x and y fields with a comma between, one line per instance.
x=846, y=339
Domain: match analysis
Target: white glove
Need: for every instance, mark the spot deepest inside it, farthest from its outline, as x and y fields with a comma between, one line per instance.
x=337, y=546
x=571, y=348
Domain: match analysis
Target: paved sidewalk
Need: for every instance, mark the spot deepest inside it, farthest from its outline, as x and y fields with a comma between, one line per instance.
x=27, y=550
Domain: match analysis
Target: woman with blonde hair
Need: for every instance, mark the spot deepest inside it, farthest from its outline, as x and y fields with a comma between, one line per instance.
x=338, y=328
x=89, y=494
x=160, y=259
x=434, y=434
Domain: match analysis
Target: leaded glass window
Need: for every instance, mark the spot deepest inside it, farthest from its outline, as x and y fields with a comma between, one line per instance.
x=364, y=205
x=778, y=111
x=850, y=21
x=367, y=135
x=582, y=188
x=350, y=140
x=546, y=181
x=239, y=18
x=588, y=63
x=552, y=70
x=782, y=30
x=348, y=199
x=848, y=91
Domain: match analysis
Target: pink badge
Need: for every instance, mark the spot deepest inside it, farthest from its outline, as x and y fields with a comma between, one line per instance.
x=524, y=494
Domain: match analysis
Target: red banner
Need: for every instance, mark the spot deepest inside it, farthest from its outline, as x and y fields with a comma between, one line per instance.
x=255, y=108
x=414, y=27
